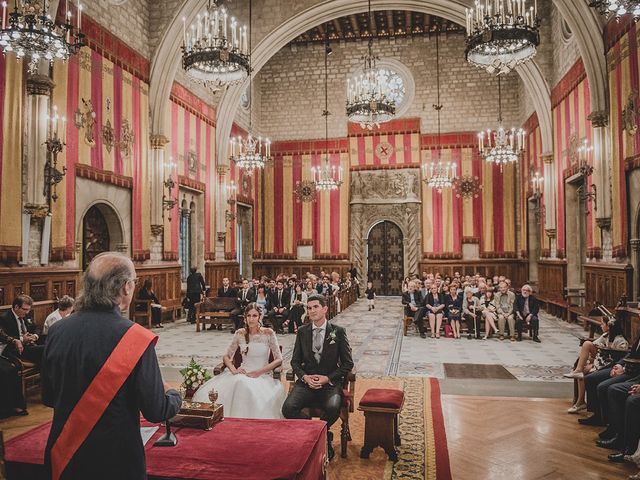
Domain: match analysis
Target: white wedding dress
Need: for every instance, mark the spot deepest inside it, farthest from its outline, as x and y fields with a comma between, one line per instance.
x=243, y=396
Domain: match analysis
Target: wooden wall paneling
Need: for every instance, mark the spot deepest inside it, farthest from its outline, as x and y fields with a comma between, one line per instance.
x=166, y=284
x=516, y=270
x=552, y=278
x=606, y=283
x=44, y=285
x=216, y=271
x=272, y=268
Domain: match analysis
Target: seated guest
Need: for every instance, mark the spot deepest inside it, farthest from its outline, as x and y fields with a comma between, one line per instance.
x=262, y=300
x=310, y=289
x=505, y=300
x=246, y=295
x=226, y=291
x=12, y=401
x=412, y=301
x=589, y=360
x=482, y=288
x=297, y=310
x=526, y=309
x=454, y=308
x=435, y=305
x=17, y=325
x=146, y=293
x=279, y=301
x=488, y=309
x=471, y=313
x=624, y=418
x=596, y=385
x=65, y=307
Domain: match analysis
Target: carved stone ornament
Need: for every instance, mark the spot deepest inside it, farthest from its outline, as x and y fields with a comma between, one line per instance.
x=221, y=236
x=548, y=159
x=157, y=230
x=108, y=136
x=36, y=211
x=193, y=161
x=551, y=232
x=599, y=118
x=158, y=141
x=386, y=185
x=222, y=170
x=630, y=114
x=572, y=149
x=603, y=223
x=305, y=191
x=635, y=244
x=39, y=85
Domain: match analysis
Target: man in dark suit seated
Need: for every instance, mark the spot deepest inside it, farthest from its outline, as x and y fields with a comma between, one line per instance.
x=321, y=360
x=16, y=324
x=526, y=308
x=246, y=295
x=226, y=291
x=414, y=307
x=279, y=301
x=195, y=290
x=12, y=401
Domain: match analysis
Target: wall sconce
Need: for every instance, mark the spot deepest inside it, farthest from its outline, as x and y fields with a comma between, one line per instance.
x=54, y=145
x=586, y=170
x=168, y=202
x=232, y=190
x=537, y=182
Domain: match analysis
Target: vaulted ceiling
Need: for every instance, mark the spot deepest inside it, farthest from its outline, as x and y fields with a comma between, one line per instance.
x=386, y=24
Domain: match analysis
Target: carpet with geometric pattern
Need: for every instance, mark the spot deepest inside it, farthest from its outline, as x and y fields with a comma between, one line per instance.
x=423, y=453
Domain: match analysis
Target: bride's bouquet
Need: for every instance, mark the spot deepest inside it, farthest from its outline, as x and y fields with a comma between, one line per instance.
x=193, y=376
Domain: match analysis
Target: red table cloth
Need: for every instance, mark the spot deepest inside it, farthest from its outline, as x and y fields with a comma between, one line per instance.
x=279, y=449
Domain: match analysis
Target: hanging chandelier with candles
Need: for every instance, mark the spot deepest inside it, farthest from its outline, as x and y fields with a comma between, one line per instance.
x=250, y=153
x=501, y=34
x=617, y=8
x=326, y=177
x=215, y=50
x=438, y=174
x=369, y=102
x=501, y=146
x=29, y=31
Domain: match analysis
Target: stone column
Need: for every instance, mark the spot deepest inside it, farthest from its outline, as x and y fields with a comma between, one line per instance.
x=221, y=205
x=602, y=178
x=550, y=206
x=157, y=176
x=635, y=261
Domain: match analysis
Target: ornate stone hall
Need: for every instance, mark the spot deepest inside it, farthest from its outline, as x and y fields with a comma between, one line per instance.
x=457, y=180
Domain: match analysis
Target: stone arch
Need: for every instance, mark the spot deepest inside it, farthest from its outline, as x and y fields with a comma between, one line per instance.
x=166, y=61
x=386, y=218
x=114, y=226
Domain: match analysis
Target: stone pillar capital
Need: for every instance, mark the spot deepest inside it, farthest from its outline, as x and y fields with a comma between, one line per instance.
x=599, y=118
x=635, y=244
x=39, y=85
x=551, y=232
x=157, y=229
x=547, y=158
x=158, y=141
x=604, y=223
x=222, y=170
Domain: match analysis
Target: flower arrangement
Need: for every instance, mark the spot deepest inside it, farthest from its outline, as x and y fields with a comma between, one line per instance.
x=194, y=375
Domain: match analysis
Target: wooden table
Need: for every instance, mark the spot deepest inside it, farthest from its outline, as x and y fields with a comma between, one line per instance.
x=283, y=449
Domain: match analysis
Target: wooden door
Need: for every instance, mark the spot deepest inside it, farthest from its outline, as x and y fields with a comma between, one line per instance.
x=95, y=235
x=385, y=258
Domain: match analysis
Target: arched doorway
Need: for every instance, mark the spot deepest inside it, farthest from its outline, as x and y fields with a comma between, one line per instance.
x=385, y=258
x=101, y=232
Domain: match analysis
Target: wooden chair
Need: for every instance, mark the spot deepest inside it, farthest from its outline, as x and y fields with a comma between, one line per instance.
x=237, y=362
x=407, y=321
x=30, y=374
x=142, y=310
x=215, y=310
x=348, y=393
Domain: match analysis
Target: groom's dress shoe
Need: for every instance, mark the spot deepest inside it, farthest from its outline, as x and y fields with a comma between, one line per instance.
x=612, y=443
x=617, y=458
x=593, y=420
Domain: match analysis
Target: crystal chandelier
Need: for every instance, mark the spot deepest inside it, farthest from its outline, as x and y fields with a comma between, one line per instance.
x=326, y=177
x=29, y=31
x=501, y=146
x=215, y=49
x=617, y=8
x=368, y=99
x=501, y=34
x=250, y=153
x=439, y=175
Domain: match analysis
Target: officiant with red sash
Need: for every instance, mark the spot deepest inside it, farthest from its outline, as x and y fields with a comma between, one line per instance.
x=99, y=371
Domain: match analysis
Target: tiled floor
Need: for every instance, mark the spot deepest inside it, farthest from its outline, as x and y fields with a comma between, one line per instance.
x=379, y=348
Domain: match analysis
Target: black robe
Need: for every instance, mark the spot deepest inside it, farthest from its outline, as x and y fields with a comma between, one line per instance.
x=76, y=349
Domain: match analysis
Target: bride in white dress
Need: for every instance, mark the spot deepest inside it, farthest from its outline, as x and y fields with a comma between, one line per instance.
x=249, y=391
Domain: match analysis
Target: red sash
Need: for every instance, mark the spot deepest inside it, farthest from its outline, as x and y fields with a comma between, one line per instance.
x=98, y=396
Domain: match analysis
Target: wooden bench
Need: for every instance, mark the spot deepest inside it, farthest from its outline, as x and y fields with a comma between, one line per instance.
x=574, y=312
x=591, y=323
x=215, y=310
x=554, y=305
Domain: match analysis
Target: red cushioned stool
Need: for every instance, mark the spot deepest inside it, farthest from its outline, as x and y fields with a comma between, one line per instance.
x=381, y=407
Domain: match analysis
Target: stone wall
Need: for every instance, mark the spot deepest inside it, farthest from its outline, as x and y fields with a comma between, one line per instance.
x=130, y=21
x=293, y=87
x=565, y=47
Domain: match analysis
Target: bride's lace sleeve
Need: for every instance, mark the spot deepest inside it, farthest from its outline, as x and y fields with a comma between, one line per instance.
x=273, y=345
x=235, y=343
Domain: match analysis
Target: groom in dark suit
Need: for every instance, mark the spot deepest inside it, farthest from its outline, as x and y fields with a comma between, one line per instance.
x=321, y=359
